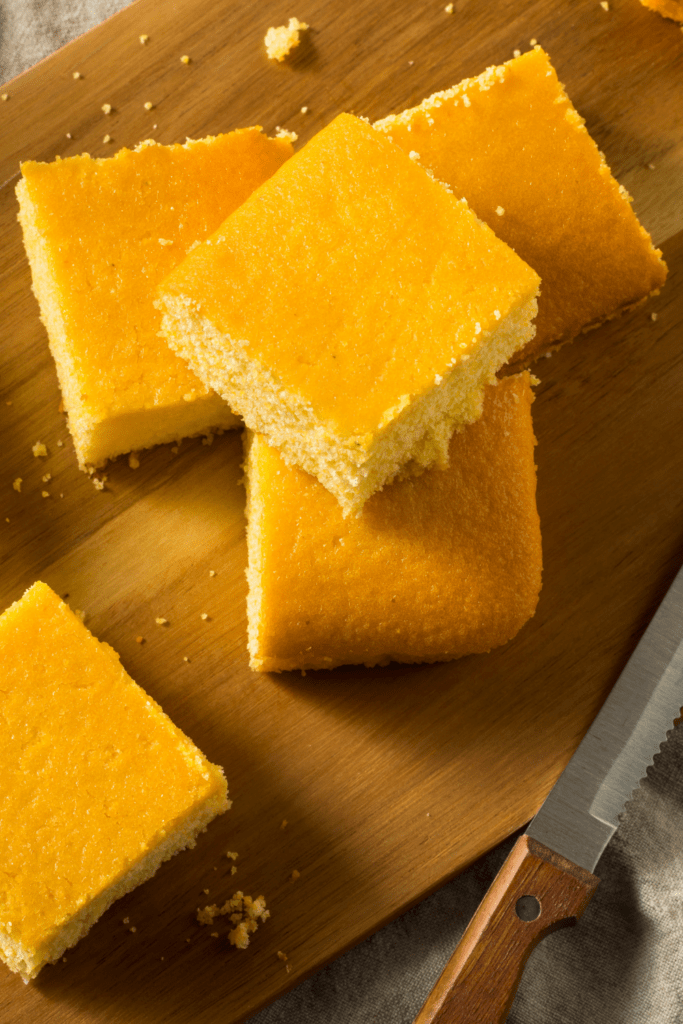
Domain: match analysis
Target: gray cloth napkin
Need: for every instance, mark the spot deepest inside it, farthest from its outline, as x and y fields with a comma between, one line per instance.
x=623, y=964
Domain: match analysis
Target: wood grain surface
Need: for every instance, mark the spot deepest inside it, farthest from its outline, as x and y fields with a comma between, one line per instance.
x=391, y=780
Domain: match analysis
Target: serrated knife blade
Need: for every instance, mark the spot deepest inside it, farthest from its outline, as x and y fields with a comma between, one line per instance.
x=547, y=880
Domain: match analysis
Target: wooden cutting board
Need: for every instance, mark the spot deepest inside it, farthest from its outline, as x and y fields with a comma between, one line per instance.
x=391, y=780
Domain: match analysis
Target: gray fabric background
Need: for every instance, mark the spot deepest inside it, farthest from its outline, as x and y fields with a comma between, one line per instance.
x=622, y=965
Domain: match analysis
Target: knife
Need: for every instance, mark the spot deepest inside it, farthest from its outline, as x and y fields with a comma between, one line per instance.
x=547, y=880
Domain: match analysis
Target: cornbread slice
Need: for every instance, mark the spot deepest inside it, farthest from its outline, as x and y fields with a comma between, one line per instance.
x=438, y=566
x=668, y=8
x=351, y=310
x=97, y=786
x=513, y=144
x=100, y=236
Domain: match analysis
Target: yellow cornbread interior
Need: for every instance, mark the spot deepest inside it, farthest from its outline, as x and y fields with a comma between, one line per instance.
x=100, y=235
x=97, y=785
x=437, y=567
x=513, y=144
x=351, y=311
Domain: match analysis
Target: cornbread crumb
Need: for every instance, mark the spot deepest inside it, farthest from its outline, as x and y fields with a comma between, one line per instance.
x=283, y=824
x=651, y=167
x=282, y=40
x=139, y=639
x=160, y=621
x=134, y=460
x=184, y=59
x=47, y=478
x=186, y=658
x=203, y=616
x=500, y=211
x=45, y=494
x=304, y=110
x=5, y=97
x=106, y=108
x=281, y=955
x=233, y=870
x=284, y=133
x=604, y=4
x=205, y=891
x=244, y=912
x=68, y=135
x=77, y=74
x=288, y=968
x=448, y=8
x=145, y=39
x=60, y=444
x=294, y=875
x=653, y=316
x=107, y=138
x=149, y=105
x=17, y=484
x=231, y=855
x=126, y=920
x=99, y=482
x=212, y=572
x=39, y=450
x=516, y=53
x=132, y=928
x=533, y=42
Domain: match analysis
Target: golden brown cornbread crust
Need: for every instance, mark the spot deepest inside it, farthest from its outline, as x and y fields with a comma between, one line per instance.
x=437, y=567
x=100, y=234
x=97, y=786
x=513, y=144
x=351, y=310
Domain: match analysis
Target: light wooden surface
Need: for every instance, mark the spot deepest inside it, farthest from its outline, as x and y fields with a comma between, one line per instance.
x=391, y=780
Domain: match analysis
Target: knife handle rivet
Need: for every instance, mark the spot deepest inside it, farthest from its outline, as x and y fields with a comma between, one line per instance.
x=527, y=908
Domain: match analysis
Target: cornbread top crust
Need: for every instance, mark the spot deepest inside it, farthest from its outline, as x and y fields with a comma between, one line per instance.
x=513, y=144
x=113, y=228
x=92, y=772
x=668, y=8
x=353, y=277
x=438, y=566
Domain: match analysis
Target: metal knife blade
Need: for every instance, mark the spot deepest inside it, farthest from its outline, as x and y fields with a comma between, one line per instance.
x=547, y=879
x=581, y=813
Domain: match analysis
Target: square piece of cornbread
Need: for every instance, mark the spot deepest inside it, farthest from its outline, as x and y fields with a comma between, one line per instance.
x=438, y=566
x=100, y=236
x=97, y=785
x=513, y=144
x=352, y=311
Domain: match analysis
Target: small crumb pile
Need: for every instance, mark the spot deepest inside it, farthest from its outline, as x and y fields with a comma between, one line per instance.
x=282, y=40
x=245, y=914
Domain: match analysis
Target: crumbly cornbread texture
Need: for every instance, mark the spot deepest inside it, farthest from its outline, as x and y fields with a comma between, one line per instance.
x=513, y=144
x=100, y=236
x=668, y=8
x=97, y=785
x=282, y=40
x=438, y=566
x=352, y=311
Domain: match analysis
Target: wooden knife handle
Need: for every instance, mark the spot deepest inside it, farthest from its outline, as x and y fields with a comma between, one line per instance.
x=479, y=982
